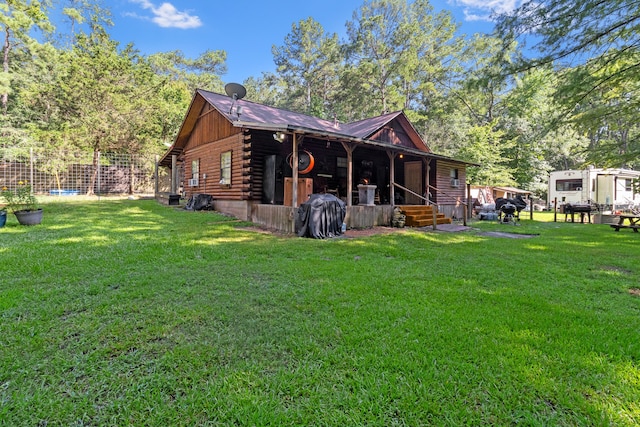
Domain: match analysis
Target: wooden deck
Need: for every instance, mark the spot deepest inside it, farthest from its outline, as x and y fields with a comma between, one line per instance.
x=282, y=218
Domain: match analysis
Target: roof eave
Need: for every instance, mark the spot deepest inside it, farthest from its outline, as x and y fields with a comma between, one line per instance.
x=347, y=138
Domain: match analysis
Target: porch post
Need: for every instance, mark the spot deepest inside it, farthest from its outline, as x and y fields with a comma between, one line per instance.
x=427, y=162
x=174, y=174
x=155, y=176
x=349, y=151
x=392, y=179
x=469, y=207
x=294, y=167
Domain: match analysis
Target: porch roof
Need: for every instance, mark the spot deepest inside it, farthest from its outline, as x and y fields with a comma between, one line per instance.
x=335, y=136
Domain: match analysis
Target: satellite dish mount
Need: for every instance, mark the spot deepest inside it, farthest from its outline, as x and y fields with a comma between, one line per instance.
x=235, y=91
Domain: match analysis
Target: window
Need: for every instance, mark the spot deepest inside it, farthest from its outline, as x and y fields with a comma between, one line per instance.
x=455, y=182
x=628, y=184
x=225, y=168
x=569, y=185
x=195, y=168
x=195, y=173
x=341, y=165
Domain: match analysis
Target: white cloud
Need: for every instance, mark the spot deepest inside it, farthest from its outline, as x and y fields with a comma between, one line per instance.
x=481, y=10
x=167, y=16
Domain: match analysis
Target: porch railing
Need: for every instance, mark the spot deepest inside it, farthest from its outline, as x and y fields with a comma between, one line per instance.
x=395, y=184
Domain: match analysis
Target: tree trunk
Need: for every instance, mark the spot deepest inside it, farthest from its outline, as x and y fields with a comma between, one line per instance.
x=94, y=173
x=4, y=99
x=132, y=175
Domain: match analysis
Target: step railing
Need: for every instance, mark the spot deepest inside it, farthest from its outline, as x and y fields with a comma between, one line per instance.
x=452, y=199
x=428, y=202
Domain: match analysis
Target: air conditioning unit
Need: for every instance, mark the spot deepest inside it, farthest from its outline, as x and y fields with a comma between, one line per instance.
x=193, y=182
x=455, y=183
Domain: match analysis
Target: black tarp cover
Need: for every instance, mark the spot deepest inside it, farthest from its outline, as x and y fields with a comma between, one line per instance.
x=321, y=216
x=199, y=202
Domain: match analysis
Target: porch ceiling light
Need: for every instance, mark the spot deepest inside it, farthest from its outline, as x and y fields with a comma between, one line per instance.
x=279, y=136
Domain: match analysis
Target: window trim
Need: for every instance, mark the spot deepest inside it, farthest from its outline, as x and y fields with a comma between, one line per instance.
x=226, y=160
x=195, y=173
x=572, y=184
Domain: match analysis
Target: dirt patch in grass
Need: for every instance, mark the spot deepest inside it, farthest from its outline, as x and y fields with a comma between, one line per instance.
x=353, y=233
x=507, y=235
x=365, y=232
x=635, y=292
x=349, y=234
x=616, y=269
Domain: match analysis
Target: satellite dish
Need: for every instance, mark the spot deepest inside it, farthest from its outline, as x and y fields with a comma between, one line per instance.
x=235, y=90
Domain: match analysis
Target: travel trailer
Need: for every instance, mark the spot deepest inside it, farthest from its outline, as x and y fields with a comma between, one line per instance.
x=607, y=188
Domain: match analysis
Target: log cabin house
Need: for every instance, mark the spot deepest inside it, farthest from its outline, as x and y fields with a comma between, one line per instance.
x=242, y=154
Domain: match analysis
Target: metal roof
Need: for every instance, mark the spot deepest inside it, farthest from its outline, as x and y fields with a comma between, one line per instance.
x=251, y=115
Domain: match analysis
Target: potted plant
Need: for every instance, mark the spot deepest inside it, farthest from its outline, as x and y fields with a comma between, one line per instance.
x=23, y=204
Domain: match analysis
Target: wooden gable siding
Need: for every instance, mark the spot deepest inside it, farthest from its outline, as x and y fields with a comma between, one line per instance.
x=397, y=132
x=443, y=182
x=393, y=135
x=211, y=126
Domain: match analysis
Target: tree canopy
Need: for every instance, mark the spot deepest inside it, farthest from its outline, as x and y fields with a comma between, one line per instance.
x=593, y=46
x=555, y=87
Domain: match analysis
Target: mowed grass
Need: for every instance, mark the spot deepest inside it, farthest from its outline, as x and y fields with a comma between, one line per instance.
x=131, y=313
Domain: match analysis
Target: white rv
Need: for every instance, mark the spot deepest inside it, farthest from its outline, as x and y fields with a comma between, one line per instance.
x=607, y=188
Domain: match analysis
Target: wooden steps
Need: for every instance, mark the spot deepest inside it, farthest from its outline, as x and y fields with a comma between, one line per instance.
x=422, y=216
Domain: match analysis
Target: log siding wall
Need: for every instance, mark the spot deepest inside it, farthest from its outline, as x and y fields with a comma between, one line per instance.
x=443, y=182
x=212, y=136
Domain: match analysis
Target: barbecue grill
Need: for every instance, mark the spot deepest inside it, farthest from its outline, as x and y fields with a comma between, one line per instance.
x=582, y=209
x=507, y=214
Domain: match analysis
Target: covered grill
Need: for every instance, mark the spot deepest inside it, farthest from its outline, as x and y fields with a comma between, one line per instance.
x=200, y=202
x=321, y=216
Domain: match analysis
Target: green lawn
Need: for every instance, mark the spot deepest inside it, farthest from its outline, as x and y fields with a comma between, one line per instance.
x=132, y=313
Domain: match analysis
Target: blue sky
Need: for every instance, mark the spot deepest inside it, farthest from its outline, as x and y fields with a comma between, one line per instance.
x=247, y=29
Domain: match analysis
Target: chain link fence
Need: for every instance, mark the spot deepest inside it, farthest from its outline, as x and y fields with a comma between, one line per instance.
x=78, y=173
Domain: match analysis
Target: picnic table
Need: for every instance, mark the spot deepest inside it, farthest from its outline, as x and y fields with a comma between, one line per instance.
x=627, y=221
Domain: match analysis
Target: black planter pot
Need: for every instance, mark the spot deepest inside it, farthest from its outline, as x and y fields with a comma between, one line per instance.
x=29, y=217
